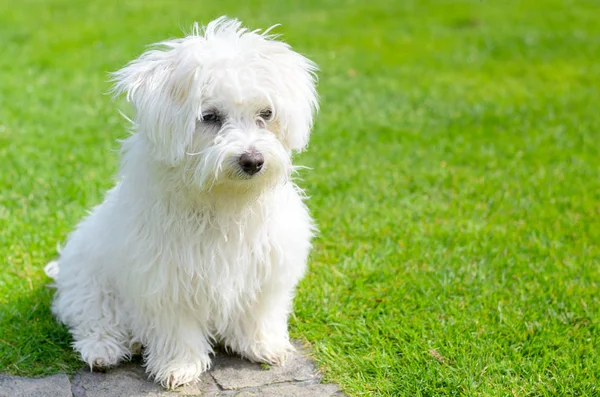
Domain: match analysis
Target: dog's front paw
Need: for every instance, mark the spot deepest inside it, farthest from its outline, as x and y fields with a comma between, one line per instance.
x=273, y=352
x=176, y=374
x=181, y=375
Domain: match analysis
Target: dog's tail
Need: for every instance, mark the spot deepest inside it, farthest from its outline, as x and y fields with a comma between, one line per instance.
x=51, y=269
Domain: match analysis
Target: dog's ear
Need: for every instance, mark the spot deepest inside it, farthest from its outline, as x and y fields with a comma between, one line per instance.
x=298, y=77
x=158, y=85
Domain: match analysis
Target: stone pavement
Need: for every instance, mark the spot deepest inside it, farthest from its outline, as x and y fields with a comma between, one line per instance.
x=230, y=376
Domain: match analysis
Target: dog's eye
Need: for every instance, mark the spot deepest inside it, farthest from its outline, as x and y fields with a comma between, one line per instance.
x=211, y=117
x=266, y=114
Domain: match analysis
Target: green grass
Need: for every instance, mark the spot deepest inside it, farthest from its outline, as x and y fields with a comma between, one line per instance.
x=456, y=182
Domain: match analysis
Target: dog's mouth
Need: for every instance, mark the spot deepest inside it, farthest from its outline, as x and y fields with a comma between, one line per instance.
x=235, y=174
x=239, y=174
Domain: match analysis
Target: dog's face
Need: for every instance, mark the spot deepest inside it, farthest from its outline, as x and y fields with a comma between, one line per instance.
x=226, y=105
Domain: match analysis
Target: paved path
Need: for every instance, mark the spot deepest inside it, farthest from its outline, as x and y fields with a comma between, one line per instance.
x=229, y=376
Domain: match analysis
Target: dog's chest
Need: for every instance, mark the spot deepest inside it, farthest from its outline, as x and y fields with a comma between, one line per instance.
x=226, y=265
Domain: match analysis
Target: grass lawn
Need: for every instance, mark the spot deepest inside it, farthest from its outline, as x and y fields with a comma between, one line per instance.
x=456, y=182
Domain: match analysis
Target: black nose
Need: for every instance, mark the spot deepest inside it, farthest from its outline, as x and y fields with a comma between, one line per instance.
x=251, y=162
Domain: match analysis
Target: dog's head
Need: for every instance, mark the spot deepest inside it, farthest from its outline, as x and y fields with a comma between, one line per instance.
x=225, y=104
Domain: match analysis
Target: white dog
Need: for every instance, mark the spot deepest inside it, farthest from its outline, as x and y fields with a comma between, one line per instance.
x=205, y=236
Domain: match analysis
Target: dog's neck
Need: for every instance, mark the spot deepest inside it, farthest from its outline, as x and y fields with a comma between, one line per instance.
x=223, y=199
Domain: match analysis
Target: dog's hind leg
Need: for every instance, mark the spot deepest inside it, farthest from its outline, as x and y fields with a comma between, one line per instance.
x=94, y=319
x=102, y=341
x=100, y=347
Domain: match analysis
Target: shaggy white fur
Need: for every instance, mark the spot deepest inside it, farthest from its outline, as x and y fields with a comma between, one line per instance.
x=205, y=236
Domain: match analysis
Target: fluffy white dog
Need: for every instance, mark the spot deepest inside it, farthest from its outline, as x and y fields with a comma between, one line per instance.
x=205, y=236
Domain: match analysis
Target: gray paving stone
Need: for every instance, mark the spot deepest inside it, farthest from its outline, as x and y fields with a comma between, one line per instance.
x=299, y=390
x=233, y=373
x=230, y=376
x=125, y=380
x=130, y=380
x=294, y=389
x=51, y=386
x=206, y=387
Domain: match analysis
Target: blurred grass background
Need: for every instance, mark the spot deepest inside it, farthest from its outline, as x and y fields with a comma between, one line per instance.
x=455, y=179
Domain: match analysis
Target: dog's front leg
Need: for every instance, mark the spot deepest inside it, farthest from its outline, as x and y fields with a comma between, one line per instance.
x=260, y=332
x=177, y=350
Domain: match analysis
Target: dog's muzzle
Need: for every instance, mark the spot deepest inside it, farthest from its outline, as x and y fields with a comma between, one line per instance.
x=251, y=162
